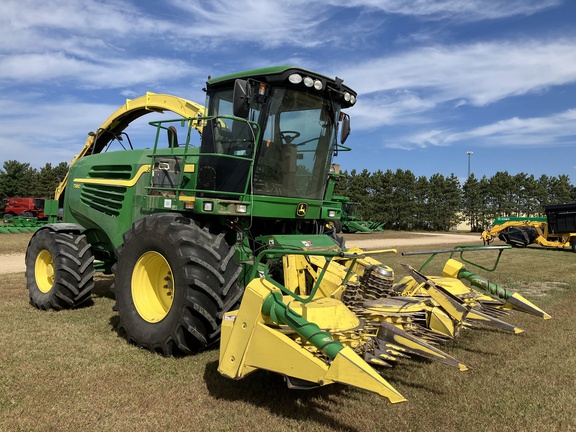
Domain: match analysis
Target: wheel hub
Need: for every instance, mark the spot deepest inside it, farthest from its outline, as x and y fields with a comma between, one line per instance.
x=44, y=271
x=152, y=287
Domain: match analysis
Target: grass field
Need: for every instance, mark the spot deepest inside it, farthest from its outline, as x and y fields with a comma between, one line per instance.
x=13, y=243
x=70, y=371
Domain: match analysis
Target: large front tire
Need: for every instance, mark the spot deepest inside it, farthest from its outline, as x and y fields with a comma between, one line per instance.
x=59, y=269
x=173, y=282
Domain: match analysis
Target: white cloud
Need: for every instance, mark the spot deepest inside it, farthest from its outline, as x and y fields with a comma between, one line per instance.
x=40, y=132
x=126, y=46
x=51, y=25
x=47, y=133
x=373, y=111
x=117, y=23
x=85, y=40
x=88, y=44
x=477, y=74
x=463, y=10
x=481, y=73
x=108, y=73
x=266, y=23
x=557, y=129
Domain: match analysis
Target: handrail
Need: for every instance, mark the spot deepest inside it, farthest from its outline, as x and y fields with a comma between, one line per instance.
x=462, y=249
x=271, y=253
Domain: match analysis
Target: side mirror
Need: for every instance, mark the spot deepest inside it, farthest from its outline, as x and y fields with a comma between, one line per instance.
x=345, y=128
x=241, y=98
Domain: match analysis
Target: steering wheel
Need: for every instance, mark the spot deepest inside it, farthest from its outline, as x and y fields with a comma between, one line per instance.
x=288, y=136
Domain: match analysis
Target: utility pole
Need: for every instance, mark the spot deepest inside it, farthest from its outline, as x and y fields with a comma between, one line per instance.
x=469, y=153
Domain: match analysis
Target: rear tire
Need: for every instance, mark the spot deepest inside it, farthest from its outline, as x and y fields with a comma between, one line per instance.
x=337, y=226
x=59, y=270
x=173, y=282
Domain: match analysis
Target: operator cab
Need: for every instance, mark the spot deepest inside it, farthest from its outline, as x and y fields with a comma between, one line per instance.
x=271, y=134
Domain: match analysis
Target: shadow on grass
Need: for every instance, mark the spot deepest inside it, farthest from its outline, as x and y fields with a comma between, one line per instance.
x=268, y=390
x=467, y=339
x=409, y=374
x=547, y=248
x=102, y=287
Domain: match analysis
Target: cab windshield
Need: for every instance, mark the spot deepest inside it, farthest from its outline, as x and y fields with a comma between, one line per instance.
x=292, y=157
x=294, y=154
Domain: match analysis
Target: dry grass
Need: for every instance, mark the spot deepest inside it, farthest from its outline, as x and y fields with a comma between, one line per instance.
x=13, y=243
x=70, y=371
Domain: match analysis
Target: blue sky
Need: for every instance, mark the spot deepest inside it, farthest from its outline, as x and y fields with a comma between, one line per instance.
x=435, y=79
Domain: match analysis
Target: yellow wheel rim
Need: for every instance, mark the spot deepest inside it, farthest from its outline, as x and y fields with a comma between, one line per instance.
x=152, y=287
x=44, y=271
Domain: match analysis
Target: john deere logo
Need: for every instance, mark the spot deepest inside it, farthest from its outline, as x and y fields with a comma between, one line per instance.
x=302, y=209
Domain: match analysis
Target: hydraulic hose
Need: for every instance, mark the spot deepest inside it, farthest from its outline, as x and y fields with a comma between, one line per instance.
x=275, y=308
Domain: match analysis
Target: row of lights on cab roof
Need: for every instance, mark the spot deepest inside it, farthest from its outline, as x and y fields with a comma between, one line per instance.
x=317, y=84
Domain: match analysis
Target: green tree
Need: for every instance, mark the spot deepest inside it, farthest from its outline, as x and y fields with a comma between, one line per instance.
x=407, y=202
x=421, y=202
x=401, y=207
x=378, y=208
x=16, y=179
x=357, y=187
x=472, y=202
x=516, y=195
x=532, y=194
x=445, y=202
x=560, y=190
x=48, y=179
x=501, y=194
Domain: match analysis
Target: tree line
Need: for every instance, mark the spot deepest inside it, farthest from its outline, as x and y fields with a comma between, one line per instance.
x=399, y=198
x=407, y=202
x=21, y=180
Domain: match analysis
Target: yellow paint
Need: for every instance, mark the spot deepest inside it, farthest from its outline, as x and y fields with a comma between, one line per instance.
x=439, y=321
x=152, y=286
x=452, y=268
x=124, y=183
x=248, y=344
x=44, y=271
x=450, y=306
x=535, y=310
x=349, y=368
x=327, y=313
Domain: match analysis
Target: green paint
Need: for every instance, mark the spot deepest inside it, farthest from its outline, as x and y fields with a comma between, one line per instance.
x=244, y=173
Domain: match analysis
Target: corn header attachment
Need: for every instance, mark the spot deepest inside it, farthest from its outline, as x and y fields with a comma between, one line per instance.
x=20, y=224
x=319, y=314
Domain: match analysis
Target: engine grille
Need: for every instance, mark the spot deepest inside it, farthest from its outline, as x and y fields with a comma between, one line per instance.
x=105, y=199
x=111, y=172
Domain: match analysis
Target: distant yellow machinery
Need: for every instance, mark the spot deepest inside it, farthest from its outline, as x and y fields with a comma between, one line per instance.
x=558, y=230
